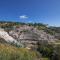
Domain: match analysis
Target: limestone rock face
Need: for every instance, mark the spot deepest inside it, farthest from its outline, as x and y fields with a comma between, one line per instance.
x=30, y=35
x=5, y=36
x=26, y=35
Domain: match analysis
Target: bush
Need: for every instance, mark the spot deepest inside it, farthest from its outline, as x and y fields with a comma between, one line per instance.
x=46, y=50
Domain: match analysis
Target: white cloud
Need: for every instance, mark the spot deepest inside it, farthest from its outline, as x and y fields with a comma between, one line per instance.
x=23, y=17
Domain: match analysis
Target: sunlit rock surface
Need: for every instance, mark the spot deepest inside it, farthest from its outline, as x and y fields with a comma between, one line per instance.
x=4, y=35
x=29, y=35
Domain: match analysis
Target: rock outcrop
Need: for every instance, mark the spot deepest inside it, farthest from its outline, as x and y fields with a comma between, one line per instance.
x=5, y=36
x=26, y=35
x=29, y=36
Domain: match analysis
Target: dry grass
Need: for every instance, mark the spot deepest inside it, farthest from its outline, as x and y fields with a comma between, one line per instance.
x=8, y=52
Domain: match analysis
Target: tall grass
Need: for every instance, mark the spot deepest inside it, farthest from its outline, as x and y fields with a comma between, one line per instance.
x=8, y=52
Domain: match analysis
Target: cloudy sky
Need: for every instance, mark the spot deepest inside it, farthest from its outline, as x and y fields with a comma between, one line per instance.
x=43, y=11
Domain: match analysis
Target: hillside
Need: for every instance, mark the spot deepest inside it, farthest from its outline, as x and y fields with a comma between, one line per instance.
x=33, y=37
x=30, y=36
x=27, y=35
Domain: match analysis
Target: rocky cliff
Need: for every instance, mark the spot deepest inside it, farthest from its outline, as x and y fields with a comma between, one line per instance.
x=29, y=36
x=26, y=35
x=5, y=37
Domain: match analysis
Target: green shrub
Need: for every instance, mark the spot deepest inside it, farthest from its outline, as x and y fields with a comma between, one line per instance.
x=46, y=50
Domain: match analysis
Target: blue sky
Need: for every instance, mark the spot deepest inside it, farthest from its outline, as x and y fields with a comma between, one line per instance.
x=43, y=11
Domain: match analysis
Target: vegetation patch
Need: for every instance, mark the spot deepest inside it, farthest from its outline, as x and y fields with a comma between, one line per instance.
x=8, y=52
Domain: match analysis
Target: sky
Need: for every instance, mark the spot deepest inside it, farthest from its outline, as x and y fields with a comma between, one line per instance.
x=39, y=11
